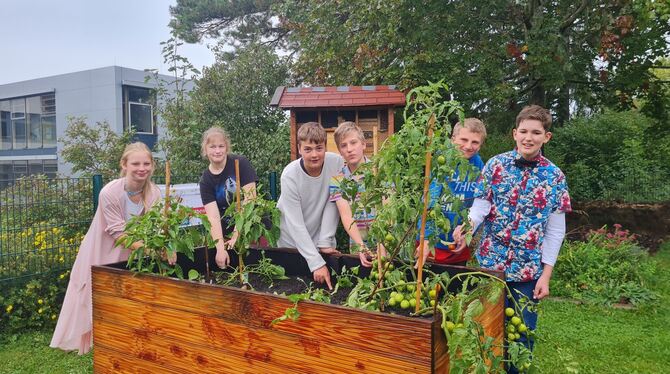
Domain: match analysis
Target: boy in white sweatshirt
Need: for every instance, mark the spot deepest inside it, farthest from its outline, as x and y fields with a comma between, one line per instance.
x=308, y=222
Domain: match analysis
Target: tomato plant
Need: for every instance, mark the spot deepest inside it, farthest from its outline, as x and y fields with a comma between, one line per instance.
x=163, y=235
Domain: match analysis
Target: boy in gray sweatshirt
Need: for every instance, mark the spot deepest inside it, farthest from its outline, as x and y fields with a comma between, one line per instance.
x=308, y=222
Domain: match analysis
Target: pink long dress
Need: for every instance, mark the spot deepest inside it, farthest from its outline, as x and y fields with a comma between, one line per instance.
x=73, y=330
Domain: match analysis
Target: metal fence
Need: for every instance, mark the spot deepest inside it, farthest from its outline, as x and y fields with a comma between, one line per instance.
x=43, y=220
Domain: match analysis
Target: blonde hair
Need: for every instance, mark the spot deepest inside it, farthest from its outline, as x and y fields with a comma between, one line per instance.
x=475, y=125
x=346, y=128
x=208, y=134
x=312, y=132
x=137, y=147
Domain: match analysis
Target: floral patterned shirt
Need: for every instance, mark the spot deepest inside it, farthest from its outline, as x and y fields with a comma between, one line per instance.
x=522, y=196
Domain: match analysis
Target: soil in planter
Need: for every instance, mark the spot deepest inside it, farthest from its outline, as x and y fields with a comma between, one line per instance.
x=296, y=285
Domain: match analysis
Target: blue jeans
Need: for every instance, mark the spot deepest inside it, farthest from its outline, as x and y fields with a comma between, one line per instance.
x=529, y=317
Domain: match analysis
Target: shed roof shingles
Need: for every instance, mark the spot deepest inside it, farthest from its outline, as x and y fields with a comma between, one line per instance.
x=293, y=97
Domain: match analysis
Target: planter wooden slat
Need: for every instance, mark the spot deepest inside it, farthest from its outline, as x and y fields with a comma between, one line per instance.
x=179, y=325
x=330, y=324
x=166, y=335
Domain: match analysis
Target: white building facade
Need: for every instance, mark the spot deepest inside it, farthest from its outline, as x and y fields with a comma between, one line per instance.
x=34, y=113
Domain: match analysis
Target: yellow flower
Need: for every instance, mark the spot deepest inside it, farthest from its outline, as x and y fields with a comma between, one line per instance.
x=53, y=316
x=39, y=310
x=9, y=308
x=62, y=276
x=61, y=259
x=40, y=301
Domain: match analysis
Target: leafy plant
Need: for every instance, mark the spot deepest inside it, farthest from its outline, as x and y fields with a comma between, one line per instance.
x=265, y=269
x=256, y=218
x=394, y=179
x=163, y=234
x=610, y=267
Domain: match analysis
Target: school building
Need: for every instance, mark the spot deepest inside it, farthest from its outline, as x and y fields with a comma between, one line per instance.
x=34, y=115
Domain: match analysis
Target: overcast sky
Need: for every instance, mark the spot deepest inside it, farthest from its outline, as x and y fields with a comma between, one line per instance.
x=40, y=38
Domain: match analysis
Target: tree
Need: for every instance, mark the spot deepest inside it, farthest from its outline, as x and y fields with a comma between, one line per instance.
x=496, y=55
x=235, y=94
x=93, y=149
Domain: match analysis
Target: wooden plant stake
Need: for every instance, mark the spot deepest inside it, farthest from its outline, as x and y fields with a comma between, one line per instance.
x=375, y=140
x=422, y=231
x=166, y=208
x=238, y=207
x=380, y=269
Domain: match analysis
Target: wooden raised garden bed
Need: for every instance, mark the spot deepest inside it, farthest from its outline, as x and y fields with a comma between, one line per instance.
x=148, y=323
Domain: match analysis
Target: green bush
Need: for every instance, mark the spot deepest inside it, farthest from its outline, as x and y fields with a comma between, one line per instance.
x=610, y=267
x=32, y=303
x=612, y=156
x=496, y=143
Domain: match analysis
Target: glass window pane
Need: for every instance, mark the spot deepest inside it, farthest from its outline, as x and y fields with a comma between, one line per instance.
x=5, y=125
x=141, y=118
x=19, y=127
x=48, y=104
x=6, y=171
x=34, y=116
x=18, y=108
x=50, y=168
x=19, y=123
x=139, y=95
x=20, y=169
x=49, y=131
x=35, y=167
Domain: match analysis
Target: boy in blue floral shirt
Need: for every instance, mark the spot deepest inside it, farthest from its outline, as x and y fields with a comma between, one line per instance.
x=522, y=206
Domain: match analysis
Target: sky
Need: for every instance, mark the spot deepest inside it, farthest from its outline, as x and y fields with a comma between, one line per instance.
x=41, y=38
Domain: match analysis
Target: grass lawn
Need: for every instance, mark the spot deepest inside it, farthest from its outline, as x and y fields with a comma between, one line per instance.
x=591, y=339
x=30, y=353
x=574, y=339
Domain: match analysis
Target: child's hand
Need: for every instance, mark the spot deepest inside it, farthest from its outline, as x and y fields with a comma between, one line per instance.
x=541, y=288
x=426, y=252
x=329, y=251
x=322, y=275
x=222, y=259
x=363, y=256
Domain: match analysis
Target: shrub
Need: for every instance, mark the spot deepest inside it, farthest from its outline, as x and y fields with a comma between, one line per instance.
x=608, y=157
x=33, y=303
x=609, y=267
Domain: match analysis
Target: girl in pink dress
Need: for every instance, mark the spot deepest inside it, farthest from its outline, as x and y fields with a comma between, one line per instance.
x=130, y=195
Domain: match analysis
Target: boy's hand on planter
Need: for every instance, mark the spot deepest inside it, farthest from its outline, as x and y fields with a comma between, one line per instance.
x=329, y=251
x=322, y=275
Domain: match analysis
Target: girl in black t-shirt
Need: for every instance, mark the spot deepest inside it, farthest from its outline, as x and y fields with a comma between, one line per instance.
x=217, y=188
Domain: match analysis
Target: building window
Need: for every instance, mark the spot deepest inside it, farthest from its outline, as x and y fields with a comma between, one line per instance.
x=28, y=122
x=12, y=170
x=138, y=109
x=6, y=126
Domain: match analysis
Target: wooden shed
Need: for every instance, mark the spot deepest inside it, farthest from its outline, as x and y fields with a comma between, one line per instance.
x=371, y=107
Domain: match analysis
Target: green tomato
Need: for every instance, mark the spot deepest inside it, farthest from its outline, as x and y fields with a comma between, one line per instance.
x=404, y=304
x=509, y=312
x=522, y=328
x=516, y=321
